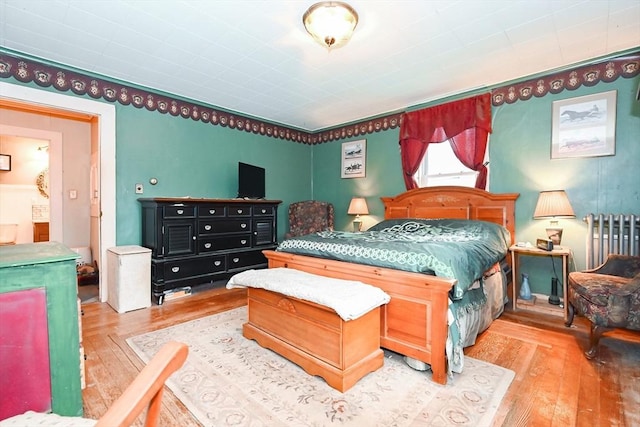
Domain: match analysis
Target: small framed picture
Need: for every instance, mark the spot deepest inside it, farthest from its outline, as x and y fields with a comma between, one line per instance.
x=584, y=126
x=354, y=154
x=5, y=162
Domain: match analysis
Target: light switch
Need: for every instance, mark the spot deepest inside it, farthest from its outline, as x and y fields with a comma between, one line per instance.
x=73, y=194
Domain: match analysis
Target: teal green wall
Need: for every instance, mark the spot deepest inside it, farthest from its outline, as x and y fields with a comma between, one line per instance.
x=191, y=158
x=383, y=177
x=196, y=159
x=520, y=163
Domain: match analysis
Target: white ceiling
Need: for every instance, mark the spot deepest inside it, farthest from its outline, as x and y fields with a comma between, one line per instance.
x=254, y=56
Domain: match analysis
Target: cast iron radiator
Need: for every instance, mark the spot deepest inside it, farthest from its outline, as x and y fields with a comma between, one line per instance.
x=611, y=234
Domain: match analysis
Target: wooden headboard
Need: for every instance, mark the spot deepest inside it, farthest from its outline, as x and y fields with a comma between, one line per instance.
x=454, y=202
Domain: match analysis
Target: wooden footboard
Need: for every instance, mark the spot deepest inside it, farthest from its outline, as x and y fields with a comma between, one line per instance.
x=414, y=323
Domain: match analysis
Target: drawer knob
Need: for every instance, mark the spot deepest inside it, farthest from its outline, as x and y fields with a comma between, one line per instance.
x=217, y=263
x=180, y=211
x=207, y=227
x=264, y=211
x=236, y=260
x=244, y=242
x=175, y=269
x=207, y=245
x=212, y=211
x=243, y=225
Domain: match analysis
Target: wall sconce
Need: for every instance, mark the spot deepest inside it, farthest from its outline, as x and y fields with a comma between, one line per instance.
x=553, y=204
x=330, y=23
x=357, y=207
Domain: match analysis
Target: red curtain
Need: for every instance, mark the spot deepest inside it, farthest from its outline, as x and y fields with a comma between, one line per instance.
x=467, y=123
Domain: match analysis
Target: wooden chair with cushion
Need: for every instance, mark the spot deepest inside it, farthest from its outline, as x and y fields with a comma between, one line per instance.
x=309, y=216
x=144, y=392
x=608, y=296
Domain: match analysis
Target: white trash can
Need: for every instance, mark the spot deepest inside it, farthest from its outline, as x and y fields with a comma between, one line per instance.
x=129, y=278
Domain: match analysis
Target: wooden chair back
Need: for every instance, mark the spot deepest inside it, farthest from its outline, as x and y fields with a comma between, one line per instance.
x=146, y=389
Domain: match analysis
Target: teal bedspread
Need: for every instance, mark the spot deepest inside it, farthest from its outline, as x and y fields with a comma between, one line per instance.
x=451, y=248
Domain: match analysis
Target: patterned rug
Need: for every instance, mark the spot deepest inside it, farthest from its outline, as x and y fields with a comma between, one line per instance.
x=231, y=381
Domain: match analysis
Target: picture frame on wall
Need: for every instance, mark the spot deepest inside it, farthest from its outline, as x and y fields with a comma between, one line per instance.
x=584, y=126
x=354, y=155
x=5, y=162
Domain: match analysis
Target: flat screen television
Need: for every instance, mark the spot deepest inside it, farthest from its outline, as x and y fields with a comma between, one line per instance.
x=250, y=181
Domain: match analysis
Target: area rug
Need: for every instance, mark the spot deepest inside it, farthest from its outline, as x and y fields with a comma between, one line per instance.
x=229, y=380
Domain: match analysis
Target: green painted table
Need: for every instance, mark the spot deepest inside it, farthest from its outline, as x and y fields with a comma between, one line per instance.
x=50, y=266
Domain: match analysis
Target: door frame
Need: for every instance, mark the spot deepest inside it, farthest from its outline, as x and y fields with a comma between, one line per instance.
x=106, y=117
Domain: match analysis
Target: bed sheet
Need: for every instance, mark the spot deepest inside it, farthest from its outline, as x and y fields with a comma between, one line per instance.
x=451, y=248
x=470, y=316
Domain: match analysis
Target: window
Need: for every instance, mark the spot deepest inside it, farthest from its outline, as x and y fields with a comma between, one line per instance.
x=440, y=166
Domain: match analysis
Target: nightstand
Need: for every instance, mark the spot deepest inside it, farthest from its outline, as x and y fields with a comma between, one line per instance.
x=559, y=251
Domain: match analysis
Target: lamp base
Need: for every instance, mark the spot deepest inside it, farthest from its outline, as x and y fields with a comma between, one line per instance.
x=553, y=298
x=555, y=235
x=357, y=225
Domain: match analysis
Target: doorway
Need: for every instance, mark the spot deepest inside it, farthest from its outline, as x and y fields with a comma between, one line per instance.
x=30, y=138
x=103, y=187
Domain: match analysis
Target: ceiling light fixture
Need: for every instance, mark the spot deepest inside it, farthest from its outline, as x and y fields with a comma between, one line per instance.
x=330, y=23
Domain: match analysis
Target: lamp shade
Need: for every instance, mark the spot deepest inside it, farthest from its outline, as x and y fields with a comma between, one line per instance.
x=330, y=23
x=358, y=206
x=553, y=204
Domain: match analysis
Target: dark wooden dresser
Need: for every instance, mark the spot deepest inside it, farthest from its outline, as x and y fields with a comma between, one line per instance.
x=196, y=241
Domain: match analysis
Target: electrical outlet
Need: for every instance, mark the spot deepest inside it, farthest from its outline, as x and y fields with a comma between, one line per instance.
x=139, y=189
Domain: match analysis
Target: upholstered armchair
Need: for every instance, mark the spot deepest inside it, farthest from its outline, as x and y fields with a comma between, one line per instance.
x=608, y=296
x=309, y=216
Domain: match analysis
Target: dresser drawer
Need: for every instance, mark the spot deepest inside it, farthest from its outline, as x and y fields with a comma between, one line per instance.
x=224, y=226
x=181, y=269
x=212, y=211
x=239, y=211
x=209, y=244
x=179, y=211
x=264, y=210
x=245, y=259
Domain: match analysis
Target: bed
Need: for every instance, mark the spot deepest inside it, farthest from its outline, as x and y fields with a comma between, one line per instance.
x=429, y=318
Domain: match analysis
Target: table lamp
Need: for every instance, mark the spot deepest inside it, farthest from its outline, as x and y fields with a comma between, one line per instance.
x=357, y=207
x=553, y=205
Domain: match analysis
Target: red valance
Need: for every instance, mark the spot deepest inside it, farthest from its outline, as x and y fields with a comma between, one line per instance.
x=453, y=118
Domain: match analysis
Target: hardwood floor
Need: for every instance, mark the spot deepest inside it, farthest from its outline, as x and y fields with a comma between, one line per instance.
x=554, y=383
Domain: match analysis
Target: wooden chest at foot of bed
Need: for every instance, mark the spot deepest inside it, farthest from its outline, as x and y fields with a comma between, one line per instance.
x=315, y=337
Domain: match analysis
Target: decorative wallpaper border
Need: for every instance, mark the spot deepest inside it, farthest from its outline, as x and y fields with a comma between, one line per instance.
x=588, y=75
x=27, y=70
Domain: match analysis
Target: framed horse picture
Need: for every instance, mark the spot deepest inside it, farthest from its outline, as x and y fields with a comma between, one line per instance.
x=354, y=155
x=584, y=126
